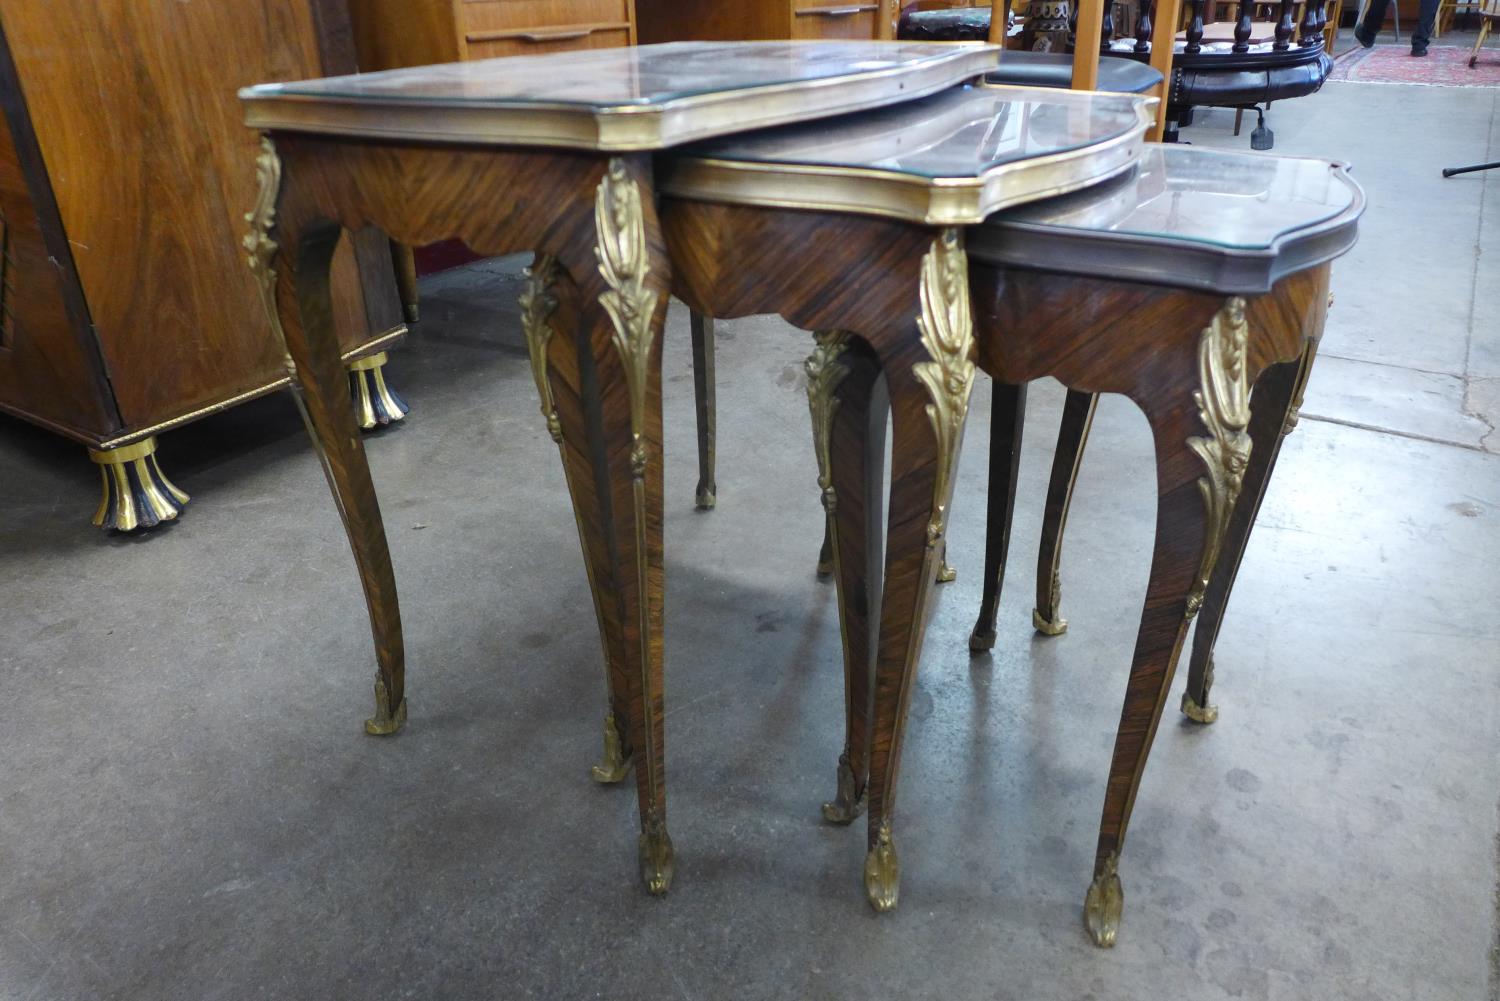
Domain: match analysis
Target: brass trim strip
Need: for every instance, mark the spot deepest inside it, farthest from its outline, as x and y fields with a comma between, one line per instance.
x=617, y=129
x=378, y=344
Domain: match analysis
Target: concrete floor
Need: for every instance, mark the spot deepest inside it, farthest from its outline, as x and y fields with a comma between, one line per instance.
x=191, y=811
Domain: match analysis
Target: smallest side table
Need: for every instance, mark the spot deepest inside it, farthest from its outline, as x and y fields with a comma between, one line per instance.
x=1187, y=282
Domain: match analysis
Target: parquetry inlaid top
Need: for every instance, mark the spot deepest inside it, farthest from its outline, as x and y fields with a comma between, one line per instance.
x=1188, y=217
x=635, y=98
x=949, y=159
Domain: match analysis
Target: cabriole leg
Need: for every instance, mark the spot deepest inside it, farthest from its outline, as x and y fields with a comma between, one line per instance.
x=1273, y=414
x=549, y=303
x=295, y=291
x=624, y=283
x=1007, y=420
x=703, y=395
x=849, y=410
x=1077, y=418
x=929, y=389
x=1202, y=446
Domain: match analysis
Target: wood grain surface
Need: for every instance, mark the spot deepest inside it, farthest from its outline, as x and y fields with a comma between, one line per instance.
x=135, y=111
x=50, y=366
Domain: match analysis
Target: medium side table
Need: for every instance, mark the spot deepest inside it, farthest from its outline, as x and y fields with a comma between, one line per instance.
x=854, y=230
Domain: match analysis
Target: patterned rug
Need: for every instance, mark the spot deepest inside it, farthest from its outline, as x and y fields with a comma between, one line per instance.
x=1444, y=66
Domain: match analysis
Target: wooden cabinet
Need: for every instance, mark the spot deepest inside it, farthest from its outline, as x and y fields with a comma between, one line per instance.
x=392, y=33
x=675, y=20
x=125, y=175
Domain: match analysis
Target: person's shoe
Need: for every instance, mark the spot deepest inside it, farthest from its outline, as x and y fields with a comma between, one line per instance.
x=1364, y=36
x=1419, y=52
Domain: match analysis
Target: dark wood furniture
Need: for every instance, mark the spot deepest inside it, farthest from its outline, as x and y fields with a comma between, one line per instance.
x=443, y=152
x=1184, y=285
x=124, y=176
x=726, y=20
x=853, y=229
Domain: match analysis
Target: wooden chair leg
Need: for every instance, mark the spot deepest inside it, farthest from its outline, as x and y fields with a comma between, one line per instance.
x=1007, y=421
x=1484, y=31
x=849, y=409
x=703, y=396
x=1072, y=435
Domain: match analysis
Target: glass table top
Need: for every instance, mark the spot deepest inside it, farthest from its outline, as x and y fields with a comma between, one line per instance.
x=633, y=98
x=964, y=132
x=1186, y=217
x=948, y=159
x=633, y=76
x=1185, y=193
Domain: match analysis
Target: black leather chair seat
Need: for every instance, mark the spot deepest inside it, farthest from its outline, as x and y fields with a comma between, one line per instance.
x=1054, y=69
x=1200, y=83
x=957, y=24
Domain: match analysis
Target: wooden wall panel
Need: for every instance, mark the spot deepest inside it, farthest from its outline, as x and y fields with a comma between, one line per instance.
x=134, y=106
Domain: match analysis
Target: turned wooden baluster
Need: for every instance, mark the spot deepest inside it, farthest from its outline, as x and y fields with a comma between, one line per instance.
x=1107, y=26
x=1310, y=28
x=1285, y=27
x=1143, y=28
x=1195, y=27
x=1243, y=27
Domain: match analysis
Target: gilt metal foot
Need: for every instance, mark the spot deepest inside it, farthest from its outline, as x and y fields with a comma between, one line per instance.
x=1055, y=625
x=981, y=640
x=1049, y=621
x=384, y=722
x=615, y=764
x=658, y=863
x=945, y=573
x=883, y=872
x=1205, y=714
x=375, y=403
x=136, y=492
x=847, y=805
x=1199, y=714
x=1103, y=904
x=825, y=557
x=707, y=498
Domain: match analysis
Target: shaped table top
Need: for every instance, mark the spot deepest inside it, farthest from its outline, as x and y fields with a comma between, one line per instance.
x=635, y=98
x=1235, y=223
x=949, y=159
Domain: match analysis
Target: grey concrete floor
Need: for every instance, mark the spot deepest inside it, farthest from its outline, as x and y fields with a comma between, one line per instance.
x=191, y=811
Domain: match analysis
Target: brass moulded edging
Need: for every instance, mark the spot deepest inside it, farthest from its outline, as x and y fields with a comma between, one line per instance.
x=942, y=201
x=620, y=129
x=378, y=345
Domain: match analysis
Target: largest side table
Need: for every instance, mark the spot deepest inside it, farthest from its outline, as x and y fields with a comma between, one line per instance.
x=550, y=154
